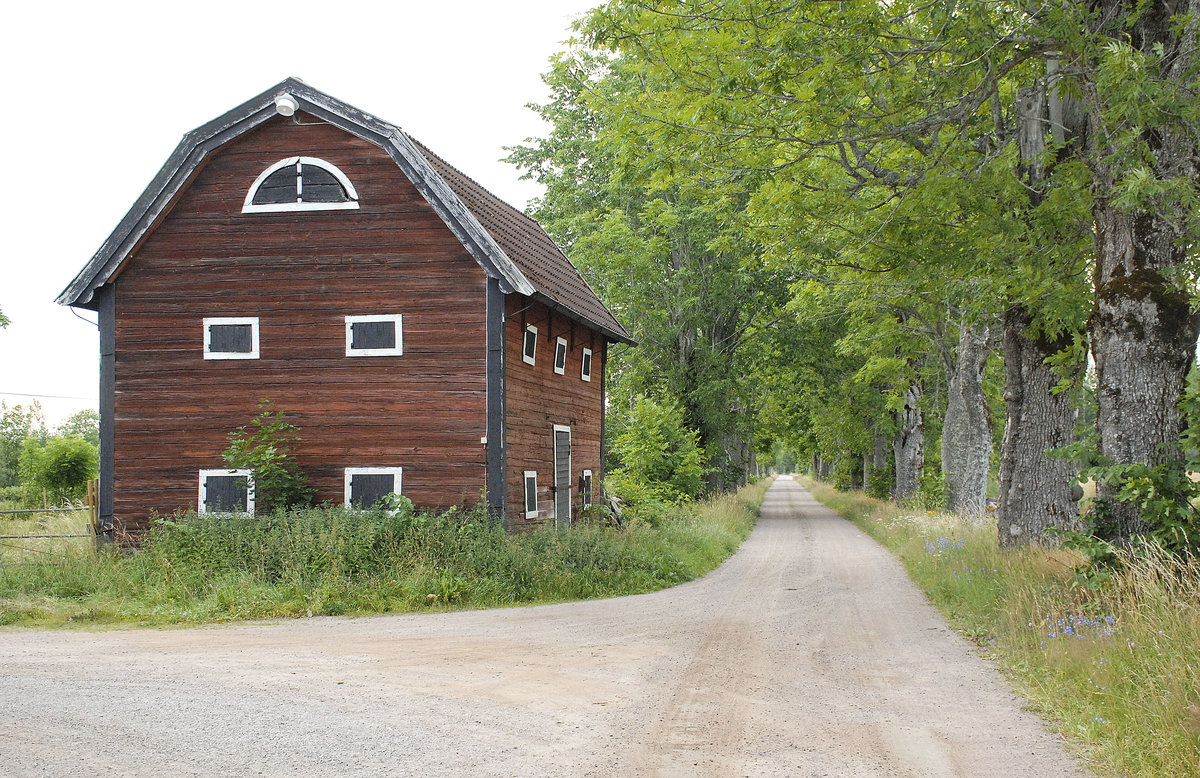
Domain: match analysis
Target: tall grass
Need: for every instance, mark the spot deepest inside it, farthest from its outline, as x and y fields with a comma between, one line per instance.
x=332, y=561
x=1116, y=669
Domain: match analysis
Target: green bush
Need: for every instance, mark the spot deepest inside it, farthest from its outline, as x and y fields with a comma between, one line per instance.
x=661, y=461
x=267, y=448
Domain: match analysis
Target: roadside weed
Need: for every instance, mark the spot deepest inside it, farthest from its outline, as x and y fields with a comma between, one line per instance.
x=333, y=561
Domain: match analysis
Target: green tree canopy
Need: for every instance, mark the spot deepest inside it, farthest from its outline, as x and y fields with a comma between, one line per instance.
x=61, y=466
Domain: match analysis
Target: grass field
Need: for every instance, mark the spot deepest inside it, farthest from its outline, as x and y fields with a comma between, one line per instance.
x=1115, y=669
x=331, y=561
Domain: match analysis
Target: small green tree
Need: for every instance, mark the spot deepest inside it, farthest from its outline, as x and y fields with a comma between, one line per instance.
x=658, y=453
x=17, y=424
x=267, y=448
x=61, y=466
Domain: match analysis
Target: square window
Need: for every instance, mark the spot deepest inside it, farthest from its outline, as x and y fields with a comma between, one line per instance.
x=560, y=356
x=586, y=371
x=231, y=338
x=375, y=336
x=585, y=487
x=226, y=491
x=366, y=486
x=529, y=348
x=531, y=509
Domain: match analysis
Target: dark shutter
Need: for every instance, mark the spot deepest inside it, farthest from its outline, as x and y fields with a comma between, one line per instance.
x=560, y=355
x=230, y=338
x=530, y=343
x=280, y=187
x=368, y=489
x=587, y=364
x=225, y=493
x=585, y=491
x=530, y=493
x=372, y=334
x=321, y=186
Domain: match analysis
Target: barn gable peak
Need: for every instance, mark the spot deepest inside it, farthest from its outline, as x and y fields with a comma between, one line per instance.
x=539, y=270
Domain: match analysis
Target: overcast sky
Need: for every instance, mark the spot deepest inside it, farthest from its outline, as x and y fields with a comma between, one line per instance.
x=99, y=94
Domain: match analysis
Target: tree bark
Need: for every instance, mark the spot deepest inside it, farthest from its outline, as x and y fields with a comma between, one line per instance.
x=1036, y=489
x=909, y=447
x=1143, y=335
x=967, y=430
x=1143, y=331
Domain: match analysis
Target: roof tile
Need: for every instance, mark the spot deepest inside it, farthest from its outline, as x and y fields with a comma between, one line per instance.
x=525, y=242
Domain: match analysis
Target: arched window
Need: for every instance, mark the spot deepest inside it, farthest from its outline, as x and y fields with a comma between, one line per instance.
x=300, y=184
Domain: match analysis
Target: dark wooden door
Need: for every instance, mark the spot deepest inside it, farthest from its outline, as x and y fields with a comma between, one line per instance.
x=562, y=476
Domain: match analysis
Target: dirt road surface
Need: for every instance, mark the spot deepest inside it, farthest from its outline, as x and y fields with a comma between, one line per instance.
x=808, y=654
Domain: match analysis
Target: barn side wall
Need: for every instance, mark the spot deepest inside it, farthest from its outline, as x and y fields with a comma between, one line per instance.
x=537, y=398
x=301, y=273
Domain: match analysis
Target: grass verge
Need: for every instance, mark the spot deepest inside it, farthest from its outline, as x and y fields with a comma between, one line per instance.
x=1116, y=669
x=331, y=561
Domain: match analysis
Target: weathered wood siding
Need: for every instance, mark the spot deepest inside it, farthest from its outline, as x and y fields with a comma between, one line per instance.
x=537, y=398
x=301, y=273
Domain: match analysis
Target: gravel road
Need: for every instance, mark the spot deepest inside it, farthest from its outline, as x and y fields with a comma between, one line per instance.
x=808, y=654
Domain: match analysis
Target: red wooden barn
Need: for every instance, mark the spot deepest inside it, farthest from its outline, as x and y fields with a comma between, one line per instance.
x=425, y=337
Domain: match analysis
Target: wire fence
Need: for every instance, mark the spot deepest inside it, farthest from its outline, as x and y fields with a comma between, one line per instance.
x=91, y=507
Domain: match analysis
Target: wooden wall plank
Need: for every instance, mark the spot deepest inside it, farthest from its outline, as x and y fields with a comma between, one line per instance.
x=537, y=398
x=301, y=273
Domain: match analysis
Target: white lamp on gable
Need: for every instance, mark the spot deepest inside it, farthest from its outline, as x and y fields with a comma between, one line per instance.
x=286, y=105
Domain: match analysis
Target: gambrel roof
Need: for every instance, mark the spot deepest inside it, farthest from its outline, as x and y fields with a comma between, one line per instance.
x=509, y=246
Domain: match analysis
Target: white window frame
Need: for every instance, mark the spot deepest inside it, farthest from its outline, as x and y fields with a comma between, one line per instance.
x=251, y=354
x=586, y=494
x=203, y=491
x=248, y=205
x=529, y=514
x=397, y=474
x=585, y=368
x=560, y=350
x=526, y=357
x=395, y=351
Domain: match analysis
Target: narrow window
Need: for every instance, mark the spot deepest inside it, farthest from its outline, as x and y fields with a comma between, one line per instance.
x=226, y=491
x=586, y=371
x=531, y=509
x=235, y=338
x=366, y=486
x=560, y=356
x=529, y=350
x=374, y=336
x=300, y=184
x=585, y=487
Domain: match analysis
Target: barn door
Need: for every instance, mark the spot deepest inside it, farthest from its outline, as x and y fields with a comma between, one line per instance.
x=562, y=475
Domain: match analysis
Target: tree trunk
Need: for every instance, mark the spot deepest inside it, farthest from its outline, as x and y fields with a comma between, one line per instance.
x=1037, y=490
x=1143, y=336
x=879, y=455
x=967, y=430
x=1143, y=332
x=909, y=447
